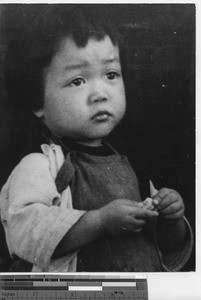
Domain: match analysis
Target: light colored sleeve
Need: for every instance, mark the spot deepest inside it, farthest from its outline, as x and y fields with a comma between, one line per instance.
x=35, y=216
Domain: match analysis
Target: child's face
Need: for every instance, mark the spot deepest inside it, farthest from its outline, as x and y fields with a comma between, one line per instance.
x=84, y=96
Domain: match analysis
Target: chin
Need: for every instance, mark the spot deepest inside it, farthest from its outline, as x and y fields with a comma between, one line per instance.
x=96, y=132
x=102, y=133
x=94, y=137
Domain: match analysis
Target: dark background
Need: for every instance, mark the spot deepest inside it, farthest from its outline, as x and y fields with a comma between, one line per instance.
x=159, y=125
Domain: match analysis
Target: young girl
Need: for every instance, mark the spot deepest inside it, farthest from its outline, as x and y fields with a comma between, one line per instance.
x=74, y=203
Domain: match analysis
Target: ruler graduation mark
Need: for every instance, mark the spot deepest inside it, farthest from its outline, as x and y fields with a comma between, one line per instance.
x=75, y=287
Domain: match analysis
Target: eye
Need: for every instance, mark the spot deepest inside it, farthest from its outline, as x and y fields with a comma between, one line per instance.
x=113, y=75
x=77, y=81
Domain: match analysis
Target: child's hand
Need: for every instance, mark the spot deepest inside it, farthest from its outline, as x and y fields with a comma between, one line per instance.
x=122, y=216
x=169, y=205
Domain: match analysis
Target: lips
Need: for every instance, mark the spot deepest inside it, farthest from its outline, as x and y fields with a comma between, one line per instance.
x=102, y=115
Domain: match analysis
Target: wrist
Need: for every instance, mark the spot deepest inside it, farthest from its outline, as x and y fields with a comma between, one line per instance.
x=171, y=235
x=170, y=222
x=99, y=220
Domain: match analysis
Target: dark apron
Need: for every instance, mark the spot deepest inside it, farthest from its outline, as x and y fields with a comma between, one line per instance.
x=94, y=182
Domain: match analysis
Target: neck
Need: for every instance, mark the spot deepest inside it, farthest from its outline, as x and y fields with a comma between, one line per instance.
x=91, y=143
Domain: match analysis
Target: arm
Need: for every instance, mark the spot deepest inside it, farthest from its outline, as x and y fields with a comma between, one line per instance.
x=33, y=225
x=171, y=229
x=111, y=219
x=88, y=228
x=171, y=236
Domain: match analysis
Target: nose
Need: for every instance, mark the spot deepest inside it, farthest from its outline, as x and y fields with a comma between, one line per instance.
x=98, y=93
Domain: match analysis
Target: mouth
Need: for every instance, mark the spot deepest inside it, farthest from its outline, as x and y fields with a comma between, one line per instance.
x=101, y=116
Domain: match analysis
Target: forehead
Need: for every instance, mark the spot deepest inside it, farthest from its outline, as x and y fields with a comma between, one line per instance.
x=94, y=50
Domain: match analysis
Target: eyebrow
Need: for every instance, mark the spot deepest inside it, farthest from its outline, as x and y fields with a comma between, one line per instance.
x=84, y=64
x=110, y=60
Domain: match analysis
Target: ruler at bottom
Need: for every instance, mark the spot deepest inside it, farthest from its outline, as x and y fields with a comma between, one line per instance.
x=73, y=287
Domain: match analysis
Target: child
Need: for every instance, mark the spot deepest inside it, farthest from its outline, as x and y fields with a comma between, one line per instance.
x=75, y=205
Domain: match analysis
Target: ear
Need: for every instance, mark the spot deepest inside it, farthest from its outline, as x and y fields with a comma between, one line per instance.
x=39, y=113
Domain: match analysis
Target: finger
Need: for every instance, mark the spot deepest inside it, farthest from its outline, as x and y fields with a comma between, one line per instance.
x=138, y=204
x=156, y=201
x=134, y=226
x=163, y=192
x=124, y=202
x=169, y=199
x=137, y=223
x=128, y=202
x=173, y=209
x=148, y=203
x=176, y=216
x=144, y=213
x=158, y=197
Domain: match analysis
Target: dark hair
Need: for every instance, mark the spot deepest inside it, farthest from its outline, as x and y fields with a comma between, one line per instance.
x=34, y=33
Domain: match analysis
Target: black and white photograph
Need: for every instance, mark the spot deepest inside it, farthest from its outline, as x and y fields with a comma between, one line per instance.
x=97, y=130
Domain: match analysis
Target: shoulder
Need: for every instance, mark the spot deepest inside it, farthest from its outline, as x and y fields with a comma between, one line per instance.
x=30, y=177
x=33, y=161
x=32, y=169
x=36, y=167
x=43, y=164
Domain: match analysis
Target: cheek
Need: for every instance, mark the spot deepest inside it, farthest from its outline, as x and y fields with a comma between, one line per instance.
x=122, y=104
x=121, y=96
x=58, y=104
x=121, y=90
x=73, y=112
